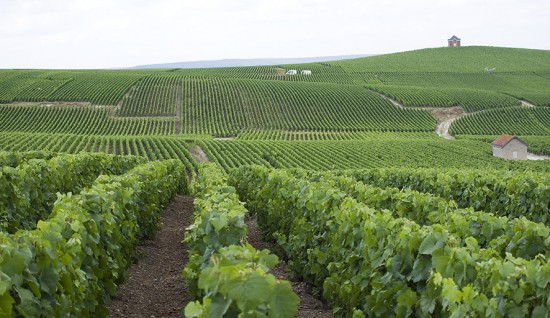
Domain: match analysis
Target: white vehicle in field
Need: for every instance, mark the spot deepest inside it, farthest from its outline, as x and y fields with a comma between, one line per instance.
x=306, y=72
x=292, y=72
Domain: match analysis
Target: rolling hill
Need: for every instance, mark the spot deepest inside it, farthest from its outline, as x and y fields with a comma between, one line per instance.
x=347, y=99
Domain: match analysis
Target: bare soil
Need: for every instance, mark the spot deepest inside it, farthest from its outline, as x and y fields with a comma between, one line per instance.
x=280, y=71
x=444, y=118
x=114, y=111
x=309, y=305
x=527, y=104
x=444, y=114
x=155, y=287
x=532, y=156
x=197, y=153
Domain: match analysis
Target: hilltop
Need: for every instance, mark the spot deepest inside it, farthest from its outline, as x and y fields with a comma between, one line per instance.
x=249, y=62
x=453, y=59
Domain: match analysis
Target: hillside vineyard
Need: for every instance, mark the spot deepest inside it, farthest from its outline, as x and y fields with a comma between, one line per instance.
x=339, y=163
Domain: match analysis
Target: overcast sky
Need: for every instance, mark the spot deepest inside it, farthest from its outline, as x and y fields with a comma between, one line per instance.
x=121, y=33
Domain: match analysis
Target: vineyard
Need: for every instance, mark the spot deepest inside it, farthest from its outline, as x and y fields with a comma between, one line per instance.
x=157, y=148
x=342, y=154
x=153, y=96
x=383, y=252
x=539, y=145
x=520, y=120
x=472, y=100
x=222, y=108
x=70, y=254
x=89, y=120
x=340, y=168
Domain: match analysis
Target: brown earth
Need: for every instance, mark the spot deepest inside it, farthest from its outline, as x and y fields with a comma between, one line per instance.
x=445, y=114
x=197, y=153
x=309, y=305
x=280, y=71
x=155, y=287
x=444, y=118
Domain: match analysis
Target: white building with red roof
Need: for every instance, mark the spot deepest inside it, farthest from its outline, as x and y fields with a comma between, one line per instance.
x=509, y=147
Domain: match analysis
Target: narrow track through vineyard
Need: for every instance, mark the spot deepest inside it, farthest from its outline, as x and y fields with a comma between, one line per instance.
x=155, y=287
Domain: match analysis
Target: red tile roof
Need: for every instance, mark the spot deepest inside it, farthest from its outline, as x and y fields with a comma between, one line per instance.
x=504, y=140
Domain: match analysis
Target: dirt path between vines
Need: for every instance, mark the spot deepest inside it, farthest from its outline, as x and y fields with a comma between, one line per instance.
x=532, y=156
x=309, y=306
x=527, y=104
x=197, y=153
x=391, y=100
x=155, y=287
x=444, y=118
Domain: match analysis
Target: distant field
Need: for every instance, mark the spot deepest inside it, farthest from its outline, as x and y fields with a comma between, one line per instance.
x=360, y=99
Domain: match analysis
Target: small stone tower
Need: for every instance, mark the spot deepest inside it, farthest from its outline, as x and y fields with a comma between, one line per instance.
x=454, y=41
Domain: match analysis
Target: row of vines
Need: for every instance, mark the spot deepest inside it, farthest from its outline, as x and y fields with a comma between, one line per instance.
x=225, y=107
x=80, y=120
x=153, y=96
x=348, y=154
x=383, y=252
x=471, y=100
x=96, y=87
x=159, y=148
x=515, y=120
x=70, y=262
